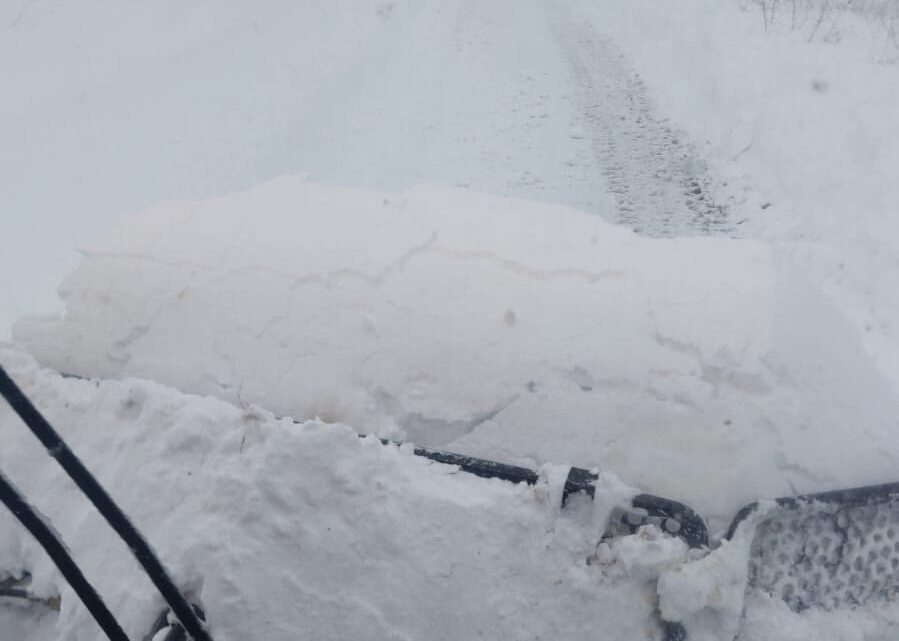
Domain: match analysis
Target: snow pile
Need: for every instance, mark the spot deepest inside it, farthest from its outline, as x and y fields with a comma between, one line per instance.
x=644, y=555
x=285, y=531
x=699, y=369
x=694, y=368
x=713, y=372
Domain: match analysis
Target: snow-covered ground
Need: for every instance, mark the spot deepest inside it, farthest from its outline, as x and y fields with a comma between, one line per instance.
x=804, y=133
x=710, y=370
x=107, y=107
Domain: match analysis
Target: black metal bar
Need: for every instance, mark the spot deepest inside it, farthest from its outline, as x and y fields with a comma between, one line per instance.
x=117, y=519
x=38, y=527
x=691, y=527
x=579, y=480
x=14, y=593
x=477, y=466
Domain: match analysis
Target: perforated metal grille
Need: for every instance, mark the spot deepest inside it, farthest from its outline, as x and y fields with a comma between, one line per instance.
x=828, y=555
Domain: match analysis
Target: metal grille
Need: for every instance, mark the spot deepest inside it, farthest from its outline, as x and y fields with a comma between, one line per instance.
x=828, y=554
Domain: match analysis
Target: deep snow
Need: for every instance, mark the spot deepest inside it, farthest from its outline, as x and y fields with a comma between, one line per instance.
x=714, y=372
x=704, y=370
x=697, y=368
x=286, y=531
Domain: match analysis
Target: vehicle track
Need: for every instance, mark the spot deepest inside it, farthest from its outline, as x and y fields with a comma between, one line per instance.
x=656, y=176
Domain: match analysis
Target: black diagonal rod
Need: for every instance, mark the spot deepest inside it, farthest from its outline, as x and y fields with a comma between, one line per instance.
x=117, y=519
x=39, y=529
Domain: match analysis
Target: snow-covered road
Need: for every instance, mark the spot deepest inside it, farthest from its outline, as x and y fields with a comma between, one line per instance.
x=521, y=98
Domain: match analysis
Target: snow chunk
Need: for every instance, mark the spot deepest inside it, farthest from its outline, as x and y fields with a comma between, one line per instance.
x=500, y=328
x=707, y=595
x=648, y=553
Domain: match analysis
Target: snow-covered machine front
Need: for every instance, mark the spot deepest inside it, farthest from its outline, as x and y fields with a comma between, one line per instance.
x=831, y=550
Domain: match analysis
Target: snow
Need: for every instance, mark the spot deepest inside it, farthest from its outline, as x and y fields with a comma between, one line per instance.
x=110, y=106
x=281, y=529
x=549, y=336
x=706, y=595
x=342, y=294
x=768, y=618
x=704, y=370
x=803, y=133
x=647, y=554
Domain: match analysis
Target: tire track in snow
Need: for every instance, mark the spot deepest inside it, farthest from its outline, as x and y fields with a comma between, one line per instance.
x=656, y=176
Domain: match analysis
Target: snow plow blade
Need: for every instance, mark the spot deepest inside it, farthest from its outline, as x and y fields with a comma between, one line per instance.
x=828, y=550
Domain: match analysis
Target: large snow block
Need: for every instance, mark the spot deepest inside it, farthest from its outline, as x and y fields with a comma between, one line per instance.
x=490, y=326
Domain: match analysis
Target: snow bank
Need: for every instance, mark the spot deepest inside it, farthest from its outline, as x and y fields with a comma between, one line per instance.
x=286, y=532
x=695, y=368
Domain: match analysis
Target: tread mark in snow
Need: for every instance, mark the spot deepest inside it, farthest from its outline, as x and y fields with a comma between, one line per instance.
x=656, y=177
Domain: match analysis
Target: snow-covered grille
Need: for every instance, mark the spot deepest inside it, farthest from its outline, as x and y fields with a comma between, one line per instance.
x=828, y=555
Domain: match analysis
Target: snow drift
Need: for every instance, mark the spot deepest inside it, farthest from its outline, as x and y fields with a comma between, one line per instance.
x=696, y=368
x=286, y=532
